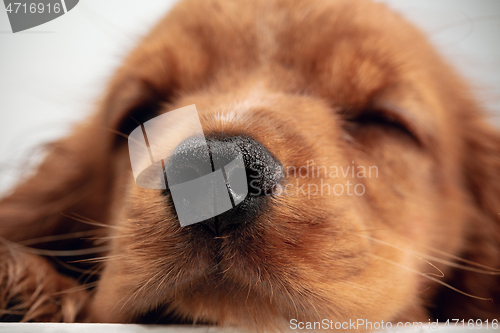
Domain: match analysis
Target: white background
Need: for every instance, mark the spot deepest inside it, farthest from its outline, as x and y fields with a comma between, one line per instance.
x=51, y=75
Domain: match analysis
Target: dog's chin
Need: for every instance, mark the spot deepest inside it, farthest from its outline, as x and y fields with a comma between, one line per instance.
x=212, y=284
x=217, y=278
x=209, y=300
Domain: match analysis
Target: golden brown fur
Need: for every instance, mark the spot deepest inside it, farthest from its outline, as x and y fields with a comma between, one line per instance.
x=340, y=83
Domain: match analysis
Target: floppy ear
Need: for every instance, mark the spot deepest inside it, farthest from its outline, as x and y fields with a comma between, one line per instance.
x=79, y=174
x=76, y=177
x=482, y=233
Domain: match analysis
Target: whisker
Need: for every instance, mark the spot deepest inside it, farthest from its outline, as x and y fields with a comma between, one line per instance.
x=461, y=259
x=55, y=253
x=73, y=268
x=107, y=238
x=441, y=274
x=466, y=268
x=92, y=271
x=54, y=238
x=97, y=259
x=83, y=219
x=69, y=253
x=77, y=288
x=428, y=277
x=488, y=271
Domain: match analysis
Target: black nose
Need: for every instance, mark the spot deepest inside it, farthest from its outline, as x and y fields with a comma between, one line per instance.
x=249, y=174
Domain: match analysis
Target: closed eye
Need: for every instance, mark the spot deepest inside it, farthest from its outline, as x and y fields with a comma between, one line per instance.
x=387, y=121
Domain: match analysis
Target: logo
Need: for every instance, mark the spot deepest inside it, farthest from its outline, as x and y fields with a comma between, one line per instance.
x=170, y=152
x=25, y=15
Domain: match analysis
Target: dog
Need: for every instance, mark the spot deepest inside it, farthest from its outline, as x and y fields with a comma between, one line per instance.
x=376, y=193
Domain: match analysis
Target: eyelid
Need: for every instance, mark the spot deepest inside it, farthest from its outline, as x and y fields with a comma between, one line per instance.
x=401, y=115
x=391, y=112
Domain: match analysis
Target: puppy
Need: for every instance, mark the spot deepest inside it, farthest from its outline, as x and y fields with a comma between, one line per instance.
x=376, y=193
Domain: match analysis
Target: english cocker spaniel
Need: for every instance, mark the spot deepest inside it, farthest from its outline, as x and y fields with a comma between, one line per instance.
x=371, y=188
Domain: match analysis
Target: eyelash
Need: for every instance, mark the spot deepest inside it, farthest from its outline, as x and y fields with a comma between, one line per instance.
x=383, y=119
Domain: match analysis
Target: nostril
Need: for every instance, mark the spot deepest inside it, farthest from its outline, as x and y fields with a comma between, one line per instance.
x=236, y=180
x=264, y=171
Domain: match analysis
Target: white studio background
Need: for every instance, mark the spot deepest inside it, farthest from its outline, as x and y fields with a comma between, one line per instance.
x=52, y=75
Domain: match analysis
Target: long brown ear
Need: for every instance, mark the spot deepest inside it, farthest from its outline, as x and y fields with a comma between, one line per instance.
x=79, y=174
x=75, y=177
x=482, y=234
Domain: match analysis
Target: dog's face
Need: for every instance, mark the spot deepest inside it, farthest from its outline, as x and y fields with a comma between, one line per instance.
x=363, y=118
x=362, y=139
